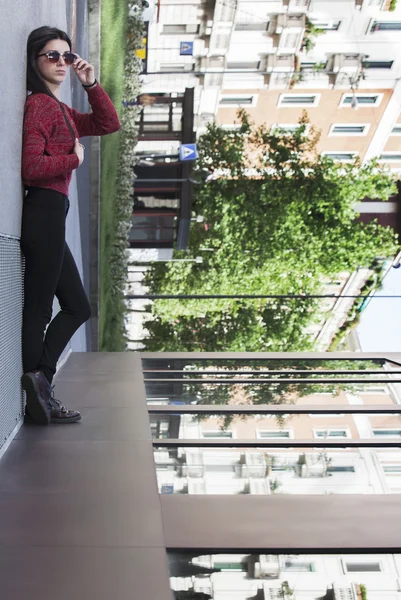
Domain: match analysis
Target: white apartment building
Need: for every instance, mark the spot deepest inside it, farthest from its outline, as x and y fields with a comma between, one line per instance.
x=295, y=577
x=252, y=54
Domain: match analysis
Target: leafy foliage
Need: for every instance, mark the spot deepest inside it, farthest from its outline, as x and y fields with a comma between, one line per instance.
x=278, y=219
x=311, y=32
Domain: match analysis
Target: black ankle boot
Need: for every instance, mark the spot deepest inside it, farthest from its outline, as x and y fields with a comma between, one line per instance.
x=36, y=387
x=41, y=405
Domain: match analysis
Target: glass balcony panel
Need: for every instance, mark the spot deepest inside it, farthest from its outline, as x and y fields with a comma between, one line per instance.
x=195, y=576
x=266, y=471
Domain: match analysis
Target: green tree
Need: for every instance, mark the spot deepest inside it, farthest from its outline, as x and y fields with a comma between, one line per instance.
x=279, y=219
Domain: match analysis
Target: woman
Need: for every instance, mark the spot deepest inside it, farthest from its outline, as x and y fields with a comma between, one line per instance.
x=50, y=152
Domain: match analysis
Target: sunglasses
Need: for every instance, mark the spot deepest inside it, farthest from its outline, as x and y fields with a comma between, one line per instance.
x=54, y=56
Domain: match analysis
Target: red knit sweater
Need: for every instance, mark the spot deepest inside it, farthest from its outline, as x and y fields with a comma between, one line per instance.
x=47, y=146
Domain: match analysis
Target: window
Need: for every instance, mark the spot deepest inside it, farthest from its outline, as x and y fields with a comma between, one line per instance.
x=344, y=156
x=313, y=65
x=340, y=469
x=390, y=157
x=166, y=67
x=377, y=64
x=396, y=130
x=190, y=28
x=349, y=129
x=331, y=433
x=363, y=567
x=287, y=127
x=298, y=100
x=386, y=26
x=257, y=26
x=363, y=100
x=371, y=389
x=326, y=25
x=385, y=433
x=274, y=593
x=271, y=434
x=392, y=469
x=299, y=565
x=307, y=64
x=231, y=126
x=229, y=566
x=152, y=227
x=218, y=433
x=254, y=65
x=245, y=100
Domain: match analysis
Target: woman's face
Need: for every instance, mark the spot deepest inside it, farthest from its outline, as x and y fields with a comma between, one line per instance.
x=54, y=73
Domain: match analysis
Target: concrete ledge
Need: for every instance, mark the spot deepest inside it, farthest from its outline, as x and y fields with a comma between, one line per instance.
x=79, y=504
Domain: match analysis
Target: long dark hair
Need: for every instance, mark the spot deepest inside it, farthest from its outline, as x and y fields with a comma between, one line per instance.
x=37, y=40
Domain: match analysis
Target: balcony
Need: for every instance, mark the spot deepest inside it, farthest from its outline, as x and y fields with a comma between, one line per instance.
x=342, y=67
x=255, y=465
x=370, y=4
x=341, y=592
x=280, y=62
x=220, y=27
x=194, y=466
x=274, y=594
x=287, y=31
x=93, y=491
x=297, y=5
x=284, y=21
x=266, y=567
x=213, y=66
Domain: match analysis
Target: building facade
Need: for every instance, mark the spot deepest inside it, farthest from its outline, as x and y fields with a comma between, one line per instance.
x=265, y=57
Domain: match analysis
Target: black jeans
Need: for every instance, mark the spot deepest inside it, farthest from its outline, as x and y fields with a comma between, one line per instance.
x=50, y=270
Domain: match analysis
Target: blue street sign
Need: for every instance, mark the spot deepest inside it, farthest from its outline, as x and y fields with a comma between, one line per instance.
x=186, y=48
x=188, y=152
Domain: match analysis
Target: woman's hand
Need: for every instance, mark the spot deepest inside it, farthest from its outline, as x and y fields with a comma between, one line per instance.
x=84, y=71
x=79, y=151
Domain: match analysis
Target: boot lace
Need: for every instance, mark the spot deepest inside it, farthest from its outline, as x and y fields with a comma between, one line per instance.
x=56, y=402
